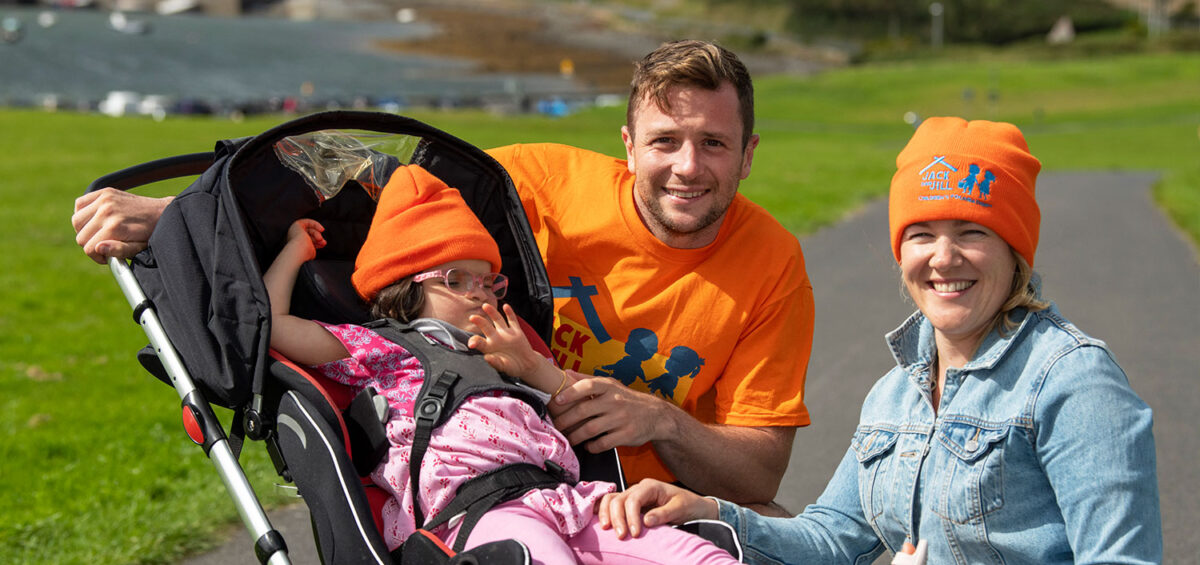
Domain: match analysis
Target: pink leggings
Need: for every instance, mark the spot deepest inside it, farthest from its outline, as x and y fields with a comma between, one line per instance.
x=661, y=545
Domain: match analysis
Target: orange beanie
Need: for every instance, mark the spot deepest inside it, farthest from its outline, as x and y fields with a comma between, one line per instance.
x=977, y=171
x=419, y=223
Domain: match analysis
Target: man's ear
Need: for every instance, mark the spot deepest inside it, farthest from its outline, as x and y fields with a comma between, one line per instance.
x=627, y=139
x=748, y=155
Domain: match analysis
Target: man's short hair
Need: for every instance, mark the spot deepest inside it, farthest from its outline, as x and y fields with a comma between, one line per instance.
x=691, y=63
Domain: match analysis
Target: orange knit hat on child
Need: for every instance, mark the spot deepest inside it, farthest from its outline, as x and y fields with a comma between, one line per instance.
x=977, y=171
x=419, y=223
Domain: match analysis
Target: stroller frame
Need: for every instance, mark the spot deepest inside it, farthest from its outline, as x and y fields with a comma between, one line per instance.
x=445, y=155
x=201, y=423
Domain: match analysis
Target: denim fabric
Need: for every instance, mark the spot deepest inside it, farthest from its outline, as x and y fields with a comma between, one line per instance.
x=1040, y=453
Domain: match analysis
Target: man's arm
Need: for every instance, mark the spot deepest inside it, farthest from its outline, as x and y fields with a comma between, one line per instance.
x=737, y=463
x=115, y=223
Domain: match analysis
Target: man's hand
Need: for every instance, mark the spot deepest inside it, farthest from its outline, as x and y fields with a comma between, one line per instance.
x=115, y=223
x=609, y=414
x=602, y=413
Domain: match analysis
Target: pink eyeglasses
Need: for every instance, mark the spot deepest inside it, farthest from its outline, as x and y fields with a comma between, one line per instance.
x=461, y=281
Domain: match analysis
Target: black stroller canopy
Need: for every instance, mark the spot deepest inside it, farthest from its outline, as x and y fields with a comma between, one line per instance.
x=204, y=263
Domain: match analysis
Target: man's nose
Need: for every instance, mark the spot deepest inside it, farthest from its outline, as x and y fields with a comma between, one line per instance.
x=687, y=161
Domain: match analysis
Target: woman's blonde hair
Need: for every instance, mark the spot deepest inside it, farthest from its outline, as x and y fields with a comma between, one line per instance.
x=1023, y=295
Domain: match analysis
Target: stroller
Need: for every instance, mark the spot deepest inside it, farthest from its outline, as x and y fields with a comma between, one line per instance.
x=197, y=291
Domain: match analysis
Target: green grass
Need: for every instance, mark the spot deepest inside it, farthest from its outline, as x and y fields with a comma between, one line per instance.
x=93, y=465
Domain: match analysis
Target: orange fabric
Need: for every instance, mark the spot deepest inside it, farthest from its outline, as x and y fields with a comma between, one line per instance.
x=419, y=223
x=977, y=171
x=723, y=331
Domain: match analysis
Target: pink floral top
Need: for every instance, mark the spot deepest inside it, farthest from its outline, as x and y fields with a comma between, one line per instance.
x=486, y=432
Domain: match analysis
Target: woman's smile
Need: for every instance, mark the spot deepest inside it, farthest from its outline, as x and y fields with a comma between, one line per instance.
x=946, y=287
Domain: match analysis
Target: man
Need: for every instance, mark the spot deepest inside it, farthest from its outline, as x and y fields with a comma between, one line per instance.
x=689, y=303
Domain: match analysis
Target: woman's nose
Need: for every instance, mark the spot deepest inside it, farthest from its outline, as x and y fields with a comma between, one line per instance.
x=945, y=254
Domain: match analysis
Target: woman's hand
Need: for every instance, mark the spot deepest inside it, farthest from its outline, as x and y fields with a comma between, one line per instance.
x=667, y=504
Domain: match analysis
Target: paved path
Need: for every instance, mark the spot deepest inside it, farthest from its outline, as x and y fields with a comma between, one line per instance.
x=1109, y=259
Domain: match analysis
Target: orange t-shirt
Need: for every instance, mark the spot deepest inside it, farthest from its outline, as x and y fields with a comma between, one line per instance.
x=723, y=331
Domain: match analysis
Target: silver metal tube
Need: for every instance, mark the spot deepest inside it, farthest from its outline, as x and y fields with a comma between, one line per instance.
x=180, y=378
x=251, y=511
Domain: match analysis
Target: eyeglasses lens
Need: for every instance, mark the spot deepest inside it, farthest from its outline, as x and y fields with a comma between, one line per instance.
x=460, y=281
x=464, y=282
x=498, y=284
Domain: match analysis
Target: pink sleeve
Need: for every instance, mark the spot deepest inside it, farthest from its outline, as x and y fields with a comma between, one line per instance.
x=375, y=361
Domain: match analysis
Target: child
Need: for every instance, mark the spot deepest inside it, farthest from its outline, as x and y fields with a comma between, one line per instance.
x=428, y=261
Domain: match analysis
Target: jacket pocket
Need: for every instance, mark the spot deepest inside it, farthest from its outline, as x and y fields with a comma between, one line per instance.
x=873, y=447
x=970, y=479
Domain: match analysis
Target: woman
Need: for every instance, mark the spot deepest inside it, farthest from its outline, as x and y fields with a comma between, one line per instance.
x=1003, y=434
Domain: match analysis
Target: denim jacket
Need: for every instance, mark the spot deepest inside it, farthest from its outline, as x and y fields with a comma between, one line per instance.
x=1040, y=452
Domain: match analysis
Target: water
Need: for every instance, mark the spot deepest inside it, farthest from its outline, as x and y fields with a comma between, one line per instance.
x=82, y=58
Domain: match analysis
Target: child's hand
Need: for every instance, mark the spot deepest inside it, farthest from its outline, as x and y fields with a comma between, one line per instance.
x=503, y=343
x=304, y=236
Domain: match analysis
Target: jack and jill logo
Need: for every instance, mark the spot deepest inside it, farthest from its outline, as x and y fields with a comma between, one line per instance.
x=943, y=180
x=588, y=347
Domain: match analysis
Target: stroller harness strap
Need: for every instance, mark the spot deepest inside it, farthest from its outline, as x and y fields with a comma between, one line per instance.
x=476, y=496
x=452, y=377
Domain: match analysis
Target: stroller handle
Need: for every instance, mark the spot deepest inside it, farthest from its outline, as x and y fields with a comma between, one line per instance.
x=191, y=164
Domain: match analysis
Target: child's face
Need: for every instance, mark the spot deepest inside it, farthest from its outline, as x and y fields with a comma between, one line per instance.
x=450, y=306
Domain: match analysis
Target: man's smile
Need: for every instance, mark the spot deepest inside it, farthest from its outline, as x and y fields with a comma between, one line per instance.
x=686, y=194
